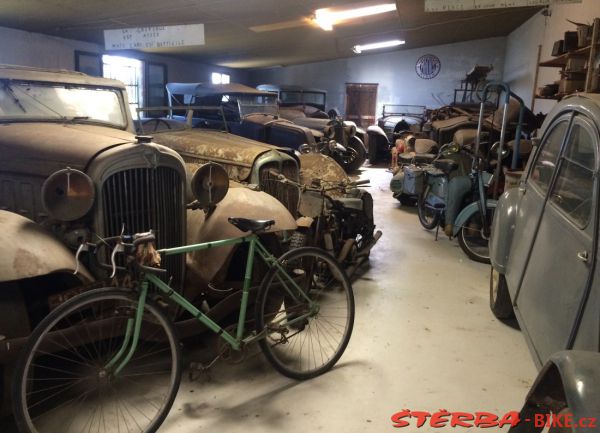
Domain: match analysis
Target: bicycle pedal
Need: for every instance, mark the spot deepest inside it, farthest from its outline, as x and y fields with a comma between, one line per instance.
x=197, y=370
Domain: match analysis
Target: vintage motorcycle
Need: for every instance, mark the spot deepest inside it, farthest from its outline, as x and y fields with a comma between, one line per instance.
x=339, y=141
x=336, y=216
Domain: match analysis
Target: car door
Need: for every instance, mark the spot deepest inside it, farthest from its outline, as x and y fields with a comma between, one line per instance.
x=558, y=269
x=533, y=193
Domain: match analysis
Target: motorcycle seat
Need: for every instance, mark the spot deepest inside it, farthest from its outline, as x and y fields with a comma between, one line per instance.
x=446, y=165
x=351, y=203
x=248, y=225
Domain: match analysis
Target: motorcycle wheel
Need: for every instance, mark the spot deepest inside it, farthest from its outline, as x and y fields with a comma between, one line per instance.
x=472, y=240
x=500, y=303
x=356, y=155
x=428, y=217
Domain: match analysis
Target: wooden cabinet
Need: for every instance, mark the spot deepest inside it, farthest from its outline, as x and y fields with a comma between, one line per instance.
x=577, y=68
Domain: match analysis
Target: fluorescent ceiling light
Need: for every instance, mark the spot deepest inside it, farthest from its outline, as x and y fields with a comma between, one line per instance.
x=387, y=44
x=326, y=18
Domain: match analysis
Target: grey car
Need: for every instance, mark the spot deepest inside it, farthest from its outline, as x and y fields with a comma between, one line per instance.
x=543, y=252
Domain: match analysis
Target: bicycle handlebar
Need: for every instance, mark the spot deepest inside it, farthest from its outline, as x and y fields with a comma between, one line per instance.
x=122, y=244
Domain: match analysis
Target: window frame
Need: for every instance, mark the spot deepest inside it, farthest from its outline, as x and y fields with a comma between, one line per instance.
x=582, y=121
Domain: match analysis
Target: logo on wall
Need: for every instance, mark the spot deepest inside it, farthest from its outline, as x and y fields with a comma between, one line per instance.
x=428, y=66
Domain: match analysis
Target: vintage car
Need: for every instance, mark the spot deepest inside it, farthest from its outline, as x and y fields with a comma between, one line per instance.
x=311, y=102
x=72, y=170
x=255, y=114
x=394, y=119
x=544, y=254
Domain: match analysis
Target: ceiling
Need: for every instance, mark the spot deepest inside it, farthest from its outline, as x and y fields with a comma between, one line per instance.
x=291, y=37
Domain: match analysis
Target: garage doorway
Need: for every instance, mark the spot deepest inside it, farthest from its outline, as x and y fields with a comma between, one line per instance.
x=361, y=103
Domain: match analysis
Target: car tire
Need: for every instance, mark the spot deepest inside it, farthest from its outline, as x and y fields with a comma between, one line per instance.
x=373, y=150
x=357, y=145
x=500, y=302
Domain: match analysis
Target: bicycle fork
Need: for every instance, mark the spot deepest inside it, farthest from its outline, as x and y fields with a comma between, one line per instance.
x=132, y=334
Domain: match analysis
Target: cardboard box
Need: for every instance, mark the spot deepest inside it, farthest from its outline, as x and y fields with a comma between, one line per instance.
x=570, y=86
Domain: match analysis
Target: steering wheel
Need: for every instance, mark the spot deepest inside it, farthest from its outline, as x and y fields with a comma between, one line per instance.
x=156, y=121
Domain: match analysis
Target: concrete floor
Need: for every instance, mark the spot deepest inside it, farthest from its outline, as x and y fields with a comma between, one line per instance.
x=424, y=339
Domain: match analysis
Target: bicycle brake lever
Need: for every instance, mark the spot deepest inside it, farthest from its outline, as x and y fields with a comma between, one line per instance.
x=118, y=248
x=82, y=247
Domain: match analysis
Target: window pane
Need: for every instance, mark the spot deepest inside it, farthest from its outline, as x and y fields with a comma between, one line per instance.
x=547, y=157
x=216, y=78
x=129, y=71
x=581, y=147
x=224, y=78
x=574, y=186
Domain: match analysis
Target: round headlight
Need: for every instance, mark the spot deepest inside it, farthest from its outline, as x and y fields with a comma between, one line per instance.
x=68, y=194
x=210, y=184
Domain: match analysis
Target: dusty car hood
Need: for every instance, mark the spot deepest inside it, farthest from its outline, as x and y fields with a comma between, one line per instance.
x=41, y=148
x=224, y=148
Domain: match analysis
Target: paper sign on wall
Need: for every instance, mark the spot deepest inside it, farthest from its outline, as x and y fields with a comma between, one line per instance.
x=466, y=5
x=154, y=37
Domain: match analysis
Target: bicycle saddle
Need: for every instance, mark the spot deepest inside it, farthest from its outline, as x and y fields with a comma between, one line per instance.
x=247, y=225
x=446, y=165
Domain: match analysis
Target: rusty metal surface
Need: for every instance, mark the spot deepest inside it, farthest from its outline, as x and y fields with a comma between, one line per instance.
x=319, y=166
x=239, y=202
x=235, y=153
x=42, y=148
x=28, y=250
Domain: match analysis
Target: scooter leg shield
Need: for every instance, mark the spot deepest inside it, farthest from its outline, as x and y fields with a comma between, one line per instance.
x=458, y=188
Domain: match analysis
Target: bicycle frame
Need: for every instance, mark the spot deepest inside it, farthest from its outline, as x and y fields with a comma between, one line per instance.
x=236, y=342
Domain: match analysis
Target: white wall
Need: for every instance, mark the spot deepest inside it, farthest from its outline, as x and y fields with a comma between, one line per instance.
x=394, y=71
x=34, y=49
x=522, y=47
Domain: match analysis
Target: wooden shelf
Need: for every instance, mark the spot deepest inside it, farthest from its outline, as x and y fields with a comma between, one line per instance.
x=585, y=79
x=561, y=61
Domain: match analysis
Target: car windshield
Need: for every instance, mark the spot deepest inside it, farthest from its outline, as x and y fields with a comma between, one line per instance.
x=410, y=110
x=253, y=103
x=26, y=101
x=303, y=97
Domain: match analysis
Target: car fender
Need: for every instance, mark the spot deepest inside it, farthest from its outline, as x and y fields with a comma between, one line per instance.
x=376, y=130
x=319, y=166
x=29, y=250
x=466, y=213
x=503, y=227
x=570, y=379
x=203, y=266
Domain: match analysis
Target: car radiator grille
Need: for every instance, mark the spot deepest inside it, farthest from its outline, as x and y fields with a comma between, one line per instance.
x=148, y=198
x=285, y=193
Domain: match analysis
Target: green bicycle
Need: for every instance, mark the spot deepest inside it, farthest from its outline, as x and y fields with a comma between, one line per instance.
x=109, y=360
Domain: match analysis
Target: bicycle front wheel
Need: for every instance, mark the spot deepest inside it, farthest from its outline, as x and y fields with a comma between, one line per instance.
x=306, y=310
x=65, y=383
x=473, y=236
x=428, y=216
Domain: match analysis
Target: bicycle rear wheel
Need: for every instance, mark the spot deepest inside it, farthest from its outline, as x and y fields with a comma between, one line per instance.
x=62, y=383
x=308, y=325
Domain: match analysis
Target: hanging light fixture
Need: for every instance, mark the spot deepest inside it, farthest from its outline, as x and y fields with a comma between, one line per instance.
x=385, y=44
x=327, y=18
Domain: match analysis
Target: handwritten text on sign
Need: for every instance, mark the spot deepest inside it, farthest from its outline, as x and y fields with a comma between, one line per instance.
x=464, y=5
x=154, y=37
